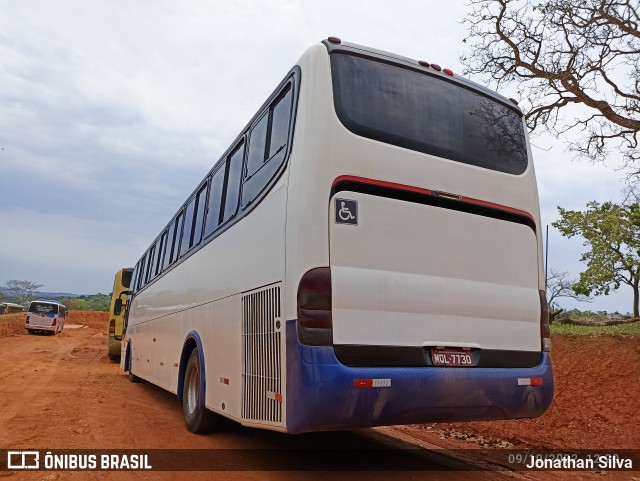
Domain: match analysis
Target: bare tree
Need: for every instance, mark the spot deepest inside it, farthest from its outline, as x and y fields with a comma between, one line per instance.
x=559, y=285
x=23, y=290
x=562, y=53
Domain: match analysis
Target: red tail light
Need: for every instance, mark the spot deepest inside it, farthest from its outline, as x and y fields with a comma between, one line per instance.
x=27, y=321
x=54, y=322
x=545, y=330
x=112, y=327
x=315, y=325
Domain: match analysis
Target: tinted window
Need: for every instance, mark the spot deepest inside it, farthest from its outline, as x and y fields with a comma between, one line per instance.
x=171, y=235
x=161, y=252
x=126, y=278
x=141, y=271
x=43, y=308
x=176, y=244
x=257, y=144
x=187, y=232
x=418, y=111
x=280, y=115
x=152, y=259
x=280, y=126
x=134, y=281
x=215, y=201
x=201, y=202
x=232, y=190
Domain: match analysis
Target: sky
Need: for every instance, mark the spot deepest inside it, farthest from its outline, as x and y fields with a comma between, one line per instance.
x=112, y=112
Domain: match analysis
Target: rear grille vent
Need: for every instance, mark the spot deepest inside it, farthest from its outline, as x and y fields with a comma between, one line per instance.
x=261, y=362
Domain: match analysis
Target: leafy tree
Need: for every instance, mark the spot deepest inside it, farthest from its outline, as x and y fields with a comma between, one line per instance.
x=76, y=304
x=562, y=53
x=559, y=285
x=612, y=233
x=93, y=302
x=23, y=290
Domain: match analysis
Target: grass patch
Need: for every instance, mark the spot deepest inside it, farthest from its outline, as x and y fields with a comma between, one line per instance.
x=573, y=330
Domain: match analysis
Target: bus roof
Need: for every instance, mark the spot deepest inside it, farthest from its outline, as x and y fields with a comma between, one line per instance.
x=12, y=304
x=50, y=301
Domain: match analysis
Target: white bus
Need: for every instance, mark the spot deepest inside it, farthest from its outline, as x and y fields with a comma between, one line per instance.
x=366, y=252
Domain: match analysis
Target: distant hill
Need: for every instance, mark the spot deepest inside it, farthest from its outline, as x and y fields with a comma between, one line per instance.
x=41, y=294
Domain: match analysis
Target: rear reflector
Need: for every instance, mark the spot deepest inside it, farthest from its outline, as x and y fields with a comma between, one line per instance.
x=545, y=330
x=367, y=383
x=112, y=326
x=276, y=396
x=529, y=381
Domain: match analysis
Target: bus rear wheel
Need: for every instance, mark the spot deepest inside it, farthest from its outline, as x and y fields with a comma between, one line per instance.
x=198, y=419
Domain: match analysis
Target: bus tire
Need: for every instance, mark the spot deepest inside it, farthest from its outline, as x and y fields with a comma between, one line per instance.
x=199, y=419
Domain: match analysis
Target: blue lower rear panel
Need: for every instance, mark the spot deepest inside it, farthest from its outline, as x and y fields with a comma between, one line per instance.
x=321, y=396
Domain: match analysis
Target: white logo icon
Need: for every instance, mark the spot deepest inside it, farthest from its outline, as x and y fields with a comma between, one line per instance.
x=23, y=459
x=344, y=213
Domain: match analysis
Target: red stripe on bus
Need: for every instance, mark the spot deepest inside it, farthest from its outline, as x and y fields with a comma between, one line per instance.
x=420, y=190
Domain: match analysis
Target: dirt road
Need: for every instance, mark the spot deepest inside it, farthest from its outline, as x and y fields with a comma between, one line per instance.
x=62, y=392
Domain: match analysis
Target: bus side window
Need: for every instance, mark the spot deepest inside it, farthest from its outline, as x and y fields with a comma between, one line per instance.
x=152, y=258
x=215, y=201
x=201, y=203
x=187, y=233
x=141, y=271
x=277, y=137
x=280, y=116
x=232, y=185
x=134, y=280
x=162, y=248
x=257, y=143
x=176, y=243
x=171, y=236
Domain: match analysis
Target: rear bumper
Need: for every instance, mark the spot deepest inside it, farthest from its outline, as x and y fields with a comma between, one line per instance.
x=35, y=327
x=321, y=394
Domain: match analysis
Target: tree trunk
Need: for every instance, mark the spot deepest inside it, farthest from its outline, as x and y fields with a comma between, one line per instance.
x=636, y=299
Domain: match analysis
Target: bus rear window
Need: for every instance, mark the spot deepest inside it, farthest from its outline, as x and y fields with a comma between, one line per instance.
x=43, y=308
x=418, y=111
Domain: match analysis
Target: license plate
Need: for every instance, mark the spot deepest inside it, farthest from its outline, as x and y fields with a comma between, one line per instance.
x=451, y=357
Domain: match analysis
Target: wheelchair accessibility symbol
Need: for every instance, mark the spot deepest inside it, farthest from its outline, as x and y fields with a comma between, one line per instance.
x=346, y=211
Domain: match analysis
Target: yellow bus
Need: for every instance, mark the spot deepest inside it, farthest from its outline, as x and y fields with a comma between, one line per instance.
x=116, y=311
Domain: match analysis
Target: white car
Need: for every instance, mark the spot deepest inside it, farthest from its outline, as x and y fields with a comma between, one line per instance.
x=45, y=316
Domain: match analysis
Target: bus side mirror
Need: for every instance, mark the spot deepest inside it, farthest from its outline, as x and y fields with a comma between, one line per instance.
x=117, y=307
